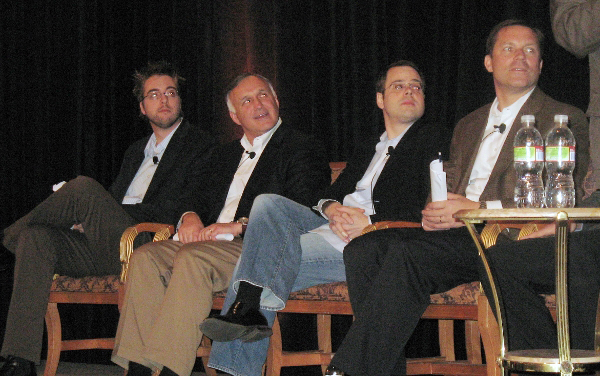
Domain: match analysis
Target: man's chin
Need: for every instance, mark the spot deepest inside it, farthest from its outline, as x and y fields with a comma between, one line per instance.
x=165, y=123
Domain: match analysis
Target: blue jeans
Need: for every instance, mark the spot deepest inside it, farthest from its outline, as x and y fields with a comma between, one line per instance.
x=280, y=256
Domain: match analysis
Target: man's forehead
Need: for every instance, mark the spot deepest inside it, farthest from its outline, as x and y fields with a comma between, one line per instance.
x=156, y=81
x=402, y=73
x=517, y=34
x=249, y=86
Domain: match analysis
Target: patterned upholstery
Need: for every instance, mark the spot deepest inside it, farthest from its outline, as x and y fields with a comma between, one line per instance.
x=103, y=284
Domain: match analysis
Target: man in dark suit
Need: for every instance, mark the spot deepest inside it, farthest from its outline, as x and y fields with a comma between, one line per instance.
x=170, y=284
x=76, y=230
x=391, y=273
x=289, y=247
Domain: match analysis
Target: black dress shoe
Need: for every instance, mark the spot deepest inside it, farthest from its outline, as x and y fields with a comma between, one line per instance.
x=333, y=371
x=246, y=324
x=16, y=366
x=136, y=369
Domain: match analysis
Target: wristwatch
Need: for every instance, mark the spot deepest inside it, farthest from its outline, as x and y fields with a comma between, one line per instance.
x=244, y=222
x=482, y=204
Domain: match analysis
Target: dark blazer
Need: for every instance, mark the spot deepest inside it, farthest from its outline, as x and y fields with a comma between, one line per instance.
x=469, y=132
x=291, y=165
x=188, y=150
x=404, y=184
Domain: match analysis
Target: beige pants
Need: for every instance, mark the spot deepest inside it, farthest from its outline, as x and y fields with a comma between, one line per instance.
x=168, y=294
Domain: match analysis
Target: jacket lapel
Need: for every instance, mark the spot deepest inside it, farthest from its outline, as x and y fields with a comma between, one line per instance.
x=169, y=159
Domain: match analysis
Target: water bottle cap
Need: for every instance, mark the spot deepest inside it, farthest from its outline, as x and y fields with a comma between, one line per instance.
x=528, y=119
x=561, y=118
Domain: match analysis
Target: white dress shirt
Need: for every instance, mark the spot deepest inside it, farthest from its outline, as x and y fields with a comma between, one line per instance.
x=140, y=183
x=362, y=197
x=243, y=173
x=490, y=147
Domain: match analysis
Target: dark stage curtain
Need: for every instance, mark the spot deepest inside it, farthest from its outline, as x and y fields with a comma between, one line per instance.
x=66, y=66
x=65, y=72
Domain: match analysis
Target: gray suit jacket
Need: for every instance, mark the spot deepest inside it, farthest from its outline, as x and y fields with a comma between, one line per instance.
x=576, y=27
x=469, y=132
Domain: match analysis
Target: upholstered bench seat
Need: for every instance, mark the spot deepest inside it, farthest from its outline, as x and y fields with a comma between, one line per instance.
x=94, y=284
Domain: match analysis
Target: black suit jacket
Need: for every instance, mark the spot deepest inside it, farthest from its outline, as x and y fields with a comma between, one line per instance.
x=291, y=165
x=187, y=152
x=403, y=185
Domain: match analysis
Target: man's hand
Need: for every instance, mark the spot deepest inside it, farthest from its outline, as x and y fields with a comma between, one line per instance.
x=345, y=221
x=438, y=215
x=190, y=228
x=210, y=232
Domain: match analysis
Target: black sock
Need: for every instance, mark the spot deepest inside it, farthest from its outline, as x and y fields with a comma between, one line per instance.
x=136, y=369
x=249, y=294
x=166, y=371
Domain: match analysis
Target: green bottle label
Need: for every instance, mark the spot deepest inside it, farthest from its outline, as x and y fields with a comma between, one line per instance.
x=560, y=153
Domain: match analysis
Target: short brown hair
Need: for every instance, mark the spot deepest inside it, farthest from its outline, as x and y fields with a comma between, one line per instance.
x=493, y=36
x=380, y=84
x=156, y=68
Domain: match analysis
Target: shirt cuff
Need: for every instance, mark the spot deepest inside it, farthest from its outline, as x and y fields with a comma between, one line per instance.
x=181, y=219
x=319, y=206
x=496, y=204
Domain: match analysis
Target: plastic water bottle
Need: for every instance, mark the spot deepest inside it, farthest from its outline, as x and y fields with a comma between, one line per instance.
x=529, y=163
x=560, y=163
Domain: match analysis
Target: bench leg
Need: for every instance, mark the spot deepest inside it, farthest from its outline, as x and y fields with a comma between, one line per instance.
x=324, y=338
x=54, y=339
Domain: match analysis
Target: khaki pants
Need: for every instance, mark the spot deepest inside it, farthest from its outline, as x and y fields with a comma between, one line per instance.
x=168, y=294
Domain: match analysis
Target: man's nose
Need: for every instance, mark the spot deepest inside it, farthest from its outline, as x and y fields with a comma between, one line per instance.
x=520, y=54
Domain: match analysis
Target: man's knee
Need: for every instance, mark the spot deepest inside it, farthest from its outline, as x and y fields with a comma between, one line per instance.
x=359, y=250
x=84, y=184
x=268, y=200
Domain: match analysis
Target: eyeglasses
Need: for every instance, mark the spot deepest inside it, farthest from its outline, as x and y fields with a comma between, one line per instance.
x=156, y=95
x=400, y=86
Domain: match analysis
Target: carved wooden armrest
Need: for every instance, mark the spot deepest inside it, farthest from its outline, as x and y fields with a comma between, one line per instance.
x=389, y=224
x=489, y=234
x=161, y=232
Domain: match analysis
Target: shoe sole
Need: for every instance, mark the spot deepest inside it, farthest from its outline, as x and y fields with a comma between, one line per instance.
x=221, y=331
x=256, y=333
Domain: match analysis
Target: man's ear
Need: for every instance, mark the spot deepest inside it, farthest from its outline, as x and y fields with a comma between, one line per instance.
x=487, y=62
x=234, y=117
x=379, y=100
x=142, y=109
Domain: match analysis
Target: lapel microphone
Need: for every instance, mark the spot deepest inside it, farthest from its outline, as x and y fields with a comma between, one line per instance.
x=155, y=159
x=251, y=155
x=497, y=128
x=390, y=150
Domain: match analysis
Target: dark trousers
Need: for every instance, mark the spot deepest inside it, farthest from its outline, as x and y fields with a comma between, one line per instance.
x=524, y=269
x=390, y=275
x=44, y=244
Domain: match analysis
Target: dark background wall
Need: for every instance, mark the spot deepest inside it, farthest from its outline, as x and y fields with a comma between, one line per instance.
x=66, y=106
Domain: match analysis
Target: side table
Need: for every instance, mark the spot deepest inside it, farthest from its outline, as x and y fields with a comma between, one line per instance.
x=563, y=360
